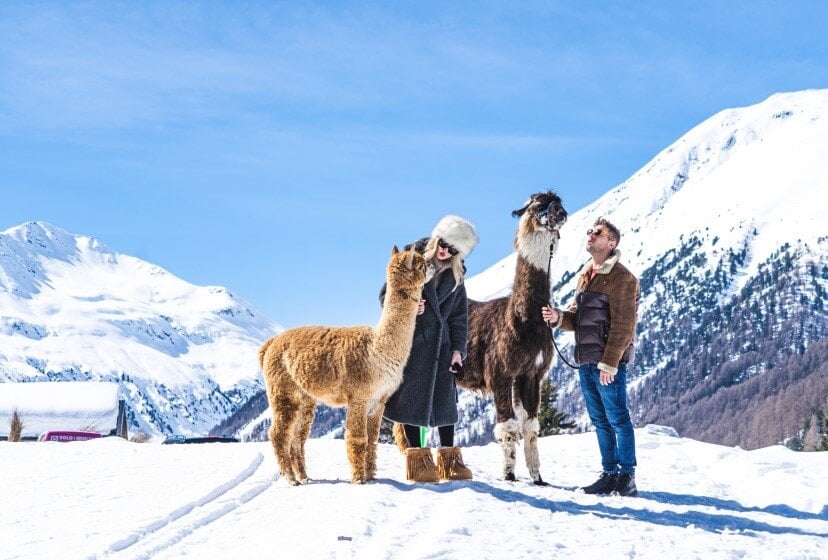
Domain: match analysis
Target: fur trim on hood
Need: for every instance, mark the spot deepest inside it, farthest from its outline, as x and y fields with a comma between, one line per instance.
x=457, y=231
x=604, y=268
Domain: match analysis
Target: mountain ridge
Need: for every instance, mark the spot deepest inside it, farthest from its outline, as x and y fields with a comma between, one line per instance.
x=75, y=309
x=730, y=201
x=722, y=227
x=721, y=213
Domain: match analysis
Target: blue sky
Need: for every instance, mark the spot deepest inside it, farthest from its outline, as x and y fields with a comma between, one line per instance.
x=281, y=148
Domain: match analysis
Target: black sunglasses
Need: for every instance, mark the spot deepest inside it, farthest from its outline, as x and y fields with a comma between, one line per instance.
x=447, y=246
x=598, y=232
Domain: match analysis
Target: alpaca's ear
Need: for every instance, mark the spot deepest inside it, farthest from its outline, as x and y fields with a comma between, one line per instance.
x=394, y=250
x=410, y=263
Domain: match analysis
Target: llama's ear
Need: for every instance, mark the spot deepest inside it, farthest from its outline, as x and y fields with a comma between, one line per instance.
x=520, y=211
x=394, y=250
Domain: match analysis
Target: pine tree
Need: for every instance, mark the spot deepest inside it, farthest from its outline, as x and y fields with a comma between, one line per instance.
x=551, y=420
x=815, y=436
x=16, y=426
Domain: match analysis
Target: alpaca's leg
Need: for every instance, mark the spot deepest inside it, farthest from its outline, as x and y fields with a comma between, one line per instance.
x=301, y=431
x=374, y=421
x=507, y=430
x=528, y=392
x=281, y=432
x=356, y=439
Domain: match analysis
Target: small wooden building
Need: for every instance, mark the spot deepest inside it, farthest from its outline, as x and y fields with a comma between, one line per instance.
x=63, y=405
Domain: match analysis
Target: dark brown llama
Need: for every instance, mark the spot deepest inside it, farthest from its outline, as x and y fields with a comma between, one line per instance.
x=509, y=345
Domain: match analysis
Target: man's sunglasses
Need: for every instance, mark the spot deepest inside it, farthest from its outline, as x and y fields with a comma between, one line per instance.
x=448, y=247
x=598, y=232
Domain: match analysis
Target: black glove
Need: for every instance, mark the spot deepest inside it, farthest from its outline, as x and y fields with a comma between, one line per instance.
x=457, y=371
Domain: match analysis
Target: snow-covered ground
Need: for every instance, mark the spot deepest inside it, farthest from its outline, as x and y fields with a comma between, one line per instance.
x=115, y=499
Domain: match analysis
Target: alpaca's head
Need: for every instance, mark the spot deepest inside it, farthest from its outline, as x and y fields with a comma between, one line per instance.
x=406, y=272
x=543, y=210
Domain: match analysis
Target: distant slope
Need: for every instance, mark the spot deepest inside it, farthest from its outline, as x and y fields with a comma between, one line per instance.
x=73, y=309
x=726, y=230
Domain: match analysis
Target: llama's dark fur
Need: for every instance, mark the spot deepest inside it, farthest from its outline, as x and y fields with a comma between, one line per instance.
x=509, y=345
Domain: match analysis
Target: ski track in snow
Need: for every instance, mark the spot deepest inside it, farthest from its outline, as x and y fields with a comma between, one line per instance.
x=148, y=541
x=227, y=501
x=385, y=518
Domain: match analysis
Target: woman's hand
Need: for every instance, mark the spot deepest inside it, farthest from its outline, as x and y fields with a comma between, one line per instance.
x=456, y=367
x=421, y=307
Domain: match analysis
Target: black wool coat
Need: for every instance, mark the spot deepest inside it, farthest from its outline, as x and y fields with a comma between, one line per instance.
x=428, y=394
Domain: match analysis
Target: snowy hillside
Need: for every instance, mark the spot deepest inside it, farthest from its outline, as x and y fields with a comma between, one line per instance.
x=724, y=230
x=754, y=175
x=217, y=501
x=73, y=309
x=727, y=223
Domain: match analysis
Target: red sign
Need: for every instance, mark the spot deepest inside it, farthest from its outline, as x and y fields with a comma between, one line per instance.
x=69, y=436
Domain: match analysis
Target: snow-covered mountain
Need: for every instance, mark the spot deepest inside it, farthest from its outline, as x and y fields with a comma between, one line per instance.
x=71, y=308
x=754, y=175
x=726, y=230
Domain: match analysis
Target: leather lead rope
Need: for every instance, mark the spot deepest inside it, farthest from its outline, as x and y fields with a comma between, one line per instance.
x=549, y=283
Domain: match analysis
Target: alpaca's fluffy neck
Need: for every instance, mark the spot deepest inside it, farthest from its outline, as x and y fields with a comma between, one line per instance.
x=394, y=333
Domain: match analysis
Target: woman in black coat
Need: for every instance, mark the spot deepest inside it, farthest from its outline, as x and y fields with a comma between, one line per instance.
x=427, y=395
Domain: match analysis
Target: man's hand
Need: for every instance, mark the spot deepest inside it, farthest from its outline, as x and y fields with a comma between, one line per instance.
x=421, y=307
x=605, y=377
x=549, y=315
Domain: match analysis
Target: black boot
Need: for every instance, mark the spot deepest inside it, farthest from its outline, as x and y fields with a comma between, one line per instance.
x=604, y=485
x=626, y=485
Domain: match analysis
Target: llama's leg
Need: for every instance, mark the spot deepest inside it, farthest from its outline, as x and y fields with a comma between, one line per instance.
x=374, y=421
x=301, y=431
x=528, y=393
x=281, y=432
x=356, y=439
x=506, y=430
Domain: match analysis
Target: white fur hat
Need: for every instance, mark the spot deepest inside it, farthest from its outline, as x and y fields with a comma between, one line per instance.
x=457, y=231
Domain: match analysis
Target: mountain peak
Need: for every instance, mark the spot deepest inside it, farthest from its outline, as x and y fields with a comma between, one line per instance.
x=35, y=231
x=743, y=170
x=43, y=238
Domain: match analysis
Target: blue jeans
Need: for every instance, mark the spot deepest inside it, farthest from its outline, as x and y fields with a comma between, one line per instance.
x=607, y=408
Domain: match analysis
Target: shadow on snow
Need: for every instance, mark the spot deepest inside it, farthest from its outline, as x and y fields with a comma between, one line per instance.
x=712, y=522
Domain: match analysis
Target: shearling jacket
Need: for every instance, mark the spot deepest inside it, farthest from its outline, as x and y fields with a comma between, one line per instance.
x=603, y=315
x=428, y=395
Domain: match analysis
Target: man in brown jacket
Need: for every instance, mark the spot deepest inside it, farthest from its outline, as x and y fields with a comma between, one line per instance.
x=603, y=317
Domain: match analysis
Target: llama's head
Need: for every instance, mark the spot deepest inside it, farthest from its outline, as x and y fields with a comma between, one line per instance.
x=406, y=273
x=538, y=231
x=543, y=210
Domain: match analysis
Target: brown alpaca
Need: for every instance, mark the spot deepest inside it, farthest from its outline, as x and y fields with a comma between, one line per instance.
x=355, y=366
x=509, y=345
